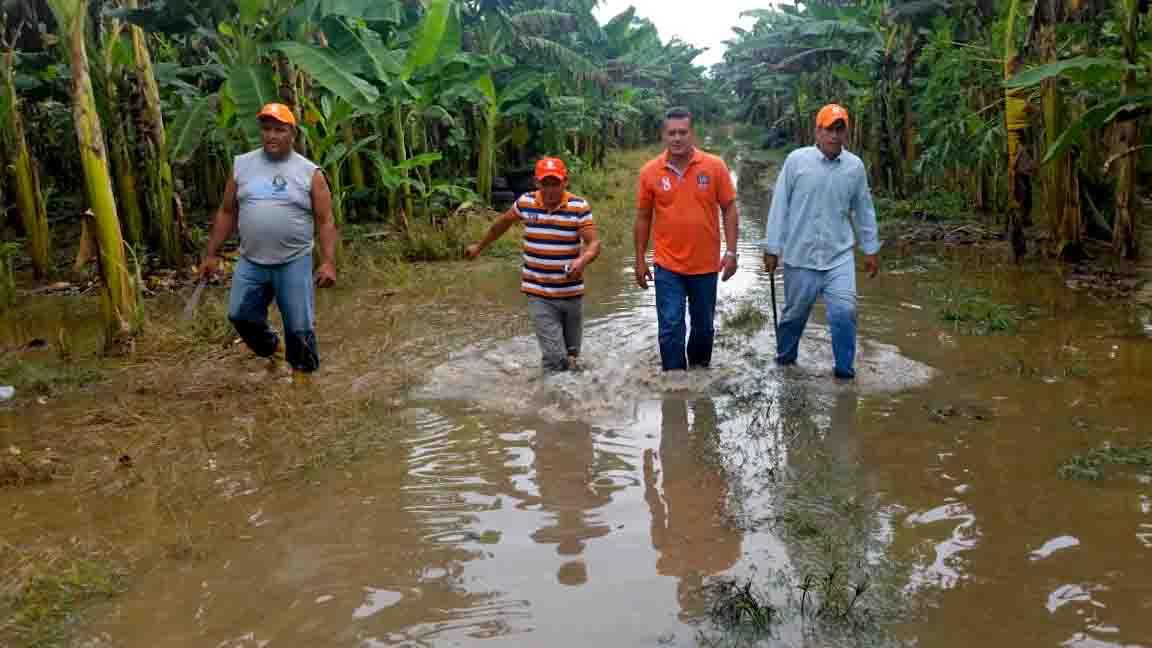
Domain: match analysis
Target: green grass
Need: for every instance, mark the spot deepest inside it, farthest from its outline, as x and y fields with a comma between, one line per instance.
x=748, y=318
x=39, y=599
x=934, y=206
x=45, y=375
x=1091, y=465
x=973, y=311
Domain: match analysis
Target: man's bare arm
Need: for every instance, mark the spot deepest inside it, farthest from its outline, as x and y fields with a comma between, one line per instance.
x=640, y=234
x=495, y=231
x=731, y=216
x=642, y=231
x=591, y=242
x=325, y=222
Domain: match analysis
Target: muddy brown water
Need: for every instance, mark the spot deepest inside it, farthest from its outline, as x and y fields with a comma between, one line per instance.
x=594, y=508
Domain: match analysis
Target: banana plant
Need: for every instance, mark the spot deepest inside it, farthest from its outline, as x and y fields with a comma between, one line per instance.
x=496, y=103
x=116, y=57
x=1124, y=112
x=24, y=169
x=360, y=69
x=326, y=127
x=155, y=156
x=119, y=305
x=394, y=176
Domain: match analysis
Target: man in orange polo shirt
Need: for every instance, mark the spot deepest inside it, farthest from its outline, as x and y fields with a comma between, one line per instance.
x=681, y=197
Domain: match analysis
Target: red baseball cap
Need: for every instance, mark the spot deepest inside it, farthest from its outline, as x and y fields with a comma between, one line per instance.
x=551, y=168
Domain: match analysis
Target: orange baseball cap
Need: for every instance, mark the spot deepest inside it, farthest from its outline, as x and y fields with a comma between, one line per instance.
x=831, y=114
x=551, y=168
x=279, y=112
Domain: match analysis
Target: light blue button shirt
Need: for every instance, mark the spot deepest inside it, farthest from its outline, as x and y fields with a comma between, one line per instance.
x=813, y=209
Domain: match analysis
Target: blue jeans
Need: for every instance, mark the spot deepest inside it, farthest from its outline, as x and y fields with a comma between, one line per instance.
x=253, y=288
x=801, y=288
x=672, y=290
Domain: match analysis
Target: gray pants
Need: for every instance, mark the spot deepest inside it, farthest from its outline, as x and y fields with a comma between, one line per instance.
x=559, y=328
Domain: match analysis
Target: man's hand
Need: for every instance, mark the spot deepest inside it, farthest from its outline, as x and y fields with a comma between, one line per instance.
x=643, y=274
x=771, y=262
x=209, y=267
x=872, y=265
x=472, y=251
x=728, y=267
x=576, y=268
x=326, y=275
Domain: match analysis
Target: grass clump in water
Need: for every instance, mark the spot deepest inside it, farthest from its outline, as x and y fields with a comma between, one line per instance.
x=739, y=608
x=39, y=597
x=972, y=310
x=1090, y=466
x=748, y=318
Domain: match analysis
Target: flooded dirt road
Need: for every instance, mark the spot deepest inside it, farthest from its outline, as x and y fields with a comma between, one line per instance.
x=503, y=508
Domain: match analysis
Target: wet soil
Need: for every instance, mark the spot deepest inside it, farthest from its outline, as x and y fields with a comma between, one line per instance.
x=431, y=487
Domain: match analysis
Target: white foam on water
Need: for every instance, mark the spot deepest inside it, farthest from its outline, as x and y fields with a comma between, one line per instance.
x=621, y=367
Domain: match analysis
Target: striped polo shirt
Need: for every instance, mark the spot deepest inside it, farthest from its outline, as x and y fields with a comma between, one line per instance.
x=551, y=240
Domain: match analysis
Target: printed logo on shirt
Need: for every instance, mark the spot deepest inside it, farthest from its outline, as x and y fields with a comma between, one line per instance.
x=702, y=181
x=666, y=184
x=274, y=188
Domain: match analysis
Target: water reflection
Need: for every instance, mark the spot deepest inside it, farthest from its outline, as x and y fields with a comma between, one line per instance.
x=565, y=474
x=687, y=491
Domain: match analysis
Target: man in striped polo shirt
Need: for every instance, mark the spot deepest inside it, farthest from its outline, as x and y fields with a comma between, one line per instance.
x=559, y=242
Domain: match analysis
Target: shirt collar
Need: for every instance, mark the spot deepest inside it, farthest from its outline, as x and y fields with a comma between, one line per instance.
x=563, y=201
x=825, y=158
x=697, y=156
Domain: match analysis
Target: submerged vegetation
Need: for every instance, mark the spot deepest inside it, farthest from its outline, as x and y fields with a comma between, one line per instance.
x=56, y=586
x=748, y=318
x=1091, y=464
x=973, y=311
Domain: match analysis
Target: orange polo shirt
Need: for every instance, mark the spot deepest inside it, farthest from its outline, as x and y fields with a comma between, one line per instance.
x=686, y=211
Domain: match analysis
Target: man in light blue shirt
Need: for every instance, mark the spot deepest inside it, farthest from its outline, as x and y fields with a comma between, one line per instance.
x=821, y=192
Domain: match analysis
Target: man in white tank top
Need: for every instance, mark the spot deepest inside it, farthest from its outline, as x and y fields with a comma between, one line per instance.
x=279, y=202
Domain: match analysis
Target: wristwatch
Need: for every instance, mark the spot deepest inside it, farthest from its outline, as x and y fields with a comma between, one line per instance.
x=732, y=254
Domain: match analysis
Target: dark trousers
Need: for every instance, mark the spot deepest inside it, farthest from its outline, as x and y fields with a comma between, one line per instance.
x=673, y=291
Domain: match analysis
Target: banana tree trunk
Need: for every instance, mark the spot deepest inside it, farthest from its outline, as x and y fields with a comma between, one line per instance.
x=26, y=180
x=1061, y=189
x=1128, y=136
x=484, y=170
x=122, y=163
x=401, y=158
x=913, y=46
x=161, y=190
x=876, y=165
x=118, y=297
x=1124, y=227
x=355, y=163
x=1016, y=120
